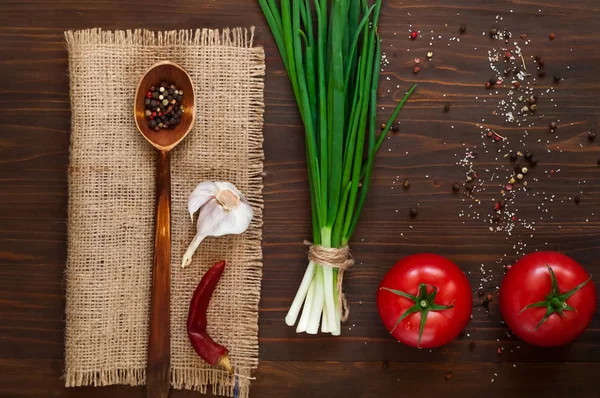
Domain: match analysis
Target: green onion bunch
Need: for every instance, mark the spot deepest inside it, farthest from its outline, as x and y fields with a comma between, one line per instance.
x=332, y=54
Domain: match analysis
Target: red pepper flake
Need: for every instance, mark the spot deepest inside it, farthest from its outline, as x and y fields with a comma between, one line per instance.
x=508, y=187
x=499, y=351
x=497, y=206
x=154, y=113
x=148, y=94
x=416, y=69
x=489, y=134
x=552, y=171
x=552, y=36
x=514, y=218
x=497, y=136
x=413, y=35
x=507, y=54
x=508, y=267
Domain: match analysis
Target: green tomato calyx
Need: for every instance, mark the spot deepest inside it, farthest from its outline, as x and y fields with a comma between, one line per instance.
x=555, y=302
x=424, y=303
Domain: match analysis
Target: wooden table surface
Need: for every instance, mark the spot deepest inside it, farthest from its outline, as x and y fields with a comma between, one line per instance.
x=365, y=361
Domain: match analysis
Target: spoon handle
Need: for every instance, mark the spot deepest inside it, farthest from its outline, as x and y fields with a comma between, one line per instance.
x=159, y=346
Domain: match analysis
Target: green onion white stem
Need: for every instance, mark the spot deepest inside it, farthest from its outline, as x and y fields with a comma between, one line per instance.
x=290, y=319
x=334, y=68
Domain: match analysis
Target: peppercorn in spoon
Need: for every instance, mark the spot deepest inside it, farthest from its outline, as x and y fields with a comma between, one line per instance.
x=159, y=346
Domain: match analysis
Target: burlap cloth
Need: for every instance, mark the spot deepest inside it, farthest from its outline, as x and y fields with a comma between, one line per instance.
x=111, y=205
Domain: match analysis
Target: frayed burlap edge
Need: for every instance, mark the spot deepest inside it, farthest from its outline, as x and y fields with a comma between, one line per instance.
x=198, y=379
x=235, y=37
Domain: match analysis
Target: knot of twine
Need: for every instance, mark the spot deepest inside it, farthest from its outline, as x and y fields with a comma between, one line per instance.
x=334, y=257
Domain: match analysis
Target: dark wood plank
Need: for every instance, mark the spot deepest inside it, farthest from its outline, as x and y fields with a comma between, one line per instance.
x=354, y=379
x=365, y=361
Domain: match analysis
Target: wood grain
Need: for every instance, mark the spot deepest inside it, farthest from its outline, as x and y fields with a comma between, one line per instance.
x=159, y=338
x=364, y=361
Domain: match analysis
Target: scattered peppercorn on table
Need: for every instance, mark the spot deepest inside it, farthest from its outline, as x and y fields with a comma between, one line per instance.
x=494, y=156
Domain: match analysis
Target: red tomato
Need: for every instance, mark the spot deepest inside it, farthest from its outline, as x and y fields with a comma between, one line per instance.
x=547, y=299
x=429, y=288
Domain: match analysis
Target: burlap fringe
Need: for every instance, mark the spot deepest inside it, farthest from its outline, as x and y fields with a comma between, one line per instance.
x=199, y=380
x=236, y=37
x=131, y=377
x=192, y=379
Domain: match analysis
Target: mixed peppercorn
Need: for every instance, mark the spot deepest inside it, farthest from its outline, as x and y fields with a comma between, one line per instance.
x=164, y=107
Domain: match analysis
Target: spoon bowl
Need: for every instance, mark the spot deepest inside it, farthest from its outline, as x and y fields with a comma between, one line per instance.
x=159, y=345
x=165, y=139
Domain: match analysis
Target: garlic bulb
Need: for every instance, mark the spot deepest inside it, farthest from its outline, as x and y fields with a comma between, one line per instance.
x=223, y=211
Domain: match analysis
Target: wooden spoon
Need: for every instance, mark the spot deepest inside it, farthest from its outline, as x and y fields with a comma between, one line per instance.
x=159, y=345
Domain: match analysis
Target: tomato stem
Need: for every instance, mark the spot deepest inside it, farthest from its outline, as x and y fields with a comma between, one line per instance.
x=424, y=303
x=555, y=303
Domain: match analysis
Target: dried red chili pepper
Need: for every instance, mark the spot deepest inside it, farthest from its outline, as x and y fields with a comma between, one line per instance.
x=209, y=350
